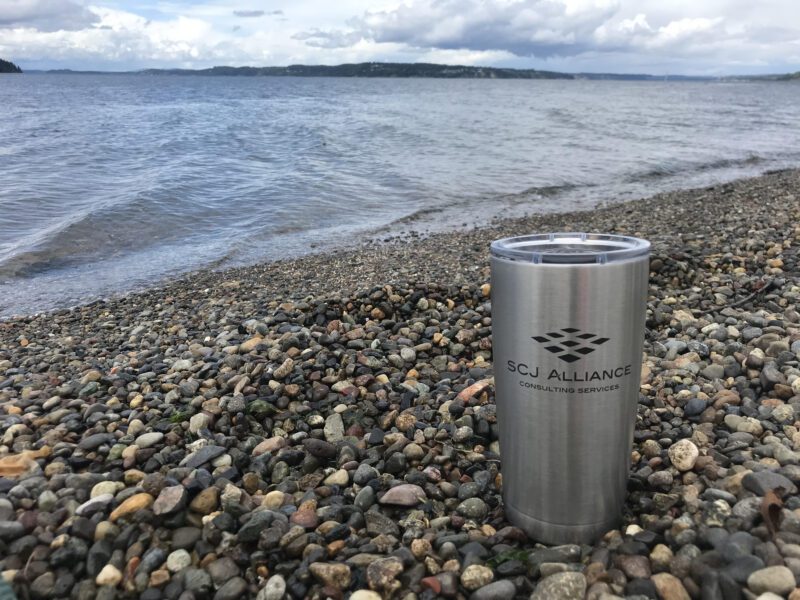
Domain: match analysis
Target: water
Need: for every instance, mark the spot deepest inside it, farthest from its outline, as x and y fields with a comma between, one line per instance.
x=112, y=182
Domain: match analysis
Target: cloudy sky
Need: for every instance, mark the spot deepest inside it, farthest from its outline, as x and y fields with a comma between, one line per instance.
x=633, y=36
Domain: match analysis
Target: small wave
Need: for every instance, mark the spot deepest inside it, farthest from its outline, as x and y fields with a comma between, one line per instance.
x=548, y=191
x=676, y=168
x=457, y=206
x=103, y=232
x=415, y=216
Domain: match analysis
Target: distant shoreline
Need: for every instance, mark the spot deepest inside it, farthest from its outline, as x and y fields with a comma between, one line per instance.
x=420, y=70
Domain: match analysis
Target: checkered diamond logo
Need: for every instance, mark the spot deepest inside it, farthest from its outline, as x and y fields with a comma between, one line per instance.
x=570, y=344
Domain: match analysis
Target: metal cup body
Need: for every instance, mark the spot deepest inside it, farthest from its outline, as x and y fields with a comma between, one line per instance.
x=567, y=344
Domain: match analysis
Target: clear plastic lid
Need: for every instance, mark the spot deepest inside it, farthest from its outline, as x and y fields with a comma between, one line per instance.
x=570, y=248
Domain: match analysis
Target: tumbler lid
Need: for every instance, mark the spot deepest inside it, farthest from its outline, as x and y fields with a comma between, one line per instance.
x=570, y=248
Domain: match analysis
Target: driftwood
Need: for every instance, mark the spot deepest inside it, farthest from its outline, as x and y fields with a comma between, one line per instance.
x=762, y=290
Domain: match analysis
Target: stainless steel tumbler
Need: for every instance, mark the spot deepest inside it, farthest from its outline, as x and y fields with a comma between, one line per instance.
x=568, y=312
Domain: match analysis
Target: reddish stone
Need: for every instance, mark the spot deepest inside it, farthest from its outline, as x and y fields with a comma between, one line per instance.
x=433, y=584
x=305, y=518
x=355, y=430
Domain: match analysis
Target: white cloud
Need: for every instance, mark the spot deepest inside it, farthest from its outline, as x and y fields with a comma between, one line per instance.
x=119, y=36
x=318, y=38
x=524, y=28
x=464, y=57
x=712, y=36
x=637, y=24
x=695, y=37
x=684, y=30
x=45, y=15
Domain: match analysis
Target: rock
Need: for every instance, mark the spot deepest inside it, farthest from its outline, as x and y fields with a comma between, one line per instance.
x=11, y=530
x=206, y=501
x=476, y=576
x=661, y=557
x=336, y=575
x=473, y=508
x=694, y=407
x=153, y=558
x=258, y=521
x=320, y=448
x=158, y=578
x=222, y=570
x=739, y=544
x=751, y=426
x=269, y=446
x=202, y=456
x=250, y=344
x=414, y=452
x=778, y=580
x=97, y=557
x=91, y=375
x=565, y=586
x=177, y=560
x=106, y=488
x=274, y=589
x=284, y=369
x=233, y=589
x=334, y=428
x=47, y=501
x=198, y=422
x=132, y=505
x=109, y=575
x=273, y=500
x=236, y=404
x=382, y=574
x=170, y=500
x=93, y=505
x=405, y=494
x=380, y=524
x=499, y=590
x=713, y=371
x=741, y=568
x=770, y=596
x=182, y=365
x=760, y=482
x=340, y=477
x=146, y=440
x=186, y=537
x=635, y=567
x=683, y=455
x=94, y=441
x=669, y=587
x=771, y=376
x=364, y=474
x=364, y=499
x=42, y=586
x=396, y=464
x=365, y=595
x=197, y=581
x=305, y=518
x=748, y=510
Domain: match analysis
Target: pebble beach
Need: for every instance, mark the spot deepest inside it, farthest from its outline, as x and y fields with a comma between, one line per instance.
x=325, y=427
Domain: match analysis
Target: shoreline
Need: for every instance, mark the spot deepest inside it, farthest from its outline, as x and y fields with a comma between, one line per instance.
x=392, y=250
x=326, y=425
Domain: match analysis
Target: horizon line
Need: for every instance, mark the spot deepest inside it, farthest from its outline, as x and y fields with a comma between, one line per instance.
x=512, y=69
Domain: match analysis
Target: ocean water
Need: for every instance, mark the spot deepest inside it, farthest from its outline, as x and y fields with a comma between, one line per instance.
x=112, y=182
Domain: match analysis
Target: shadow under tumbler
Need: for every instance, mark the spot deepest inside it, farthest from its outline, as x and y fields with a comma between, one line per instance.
x=568, y=313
